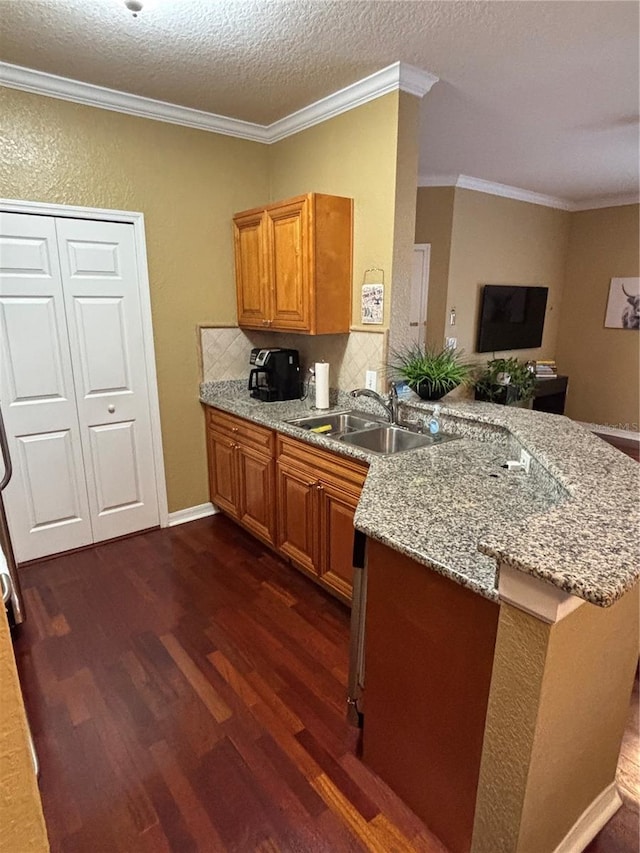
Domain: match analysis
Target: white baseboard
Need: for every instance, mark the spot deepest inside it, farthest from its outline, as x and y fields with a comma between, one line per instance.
x=191, y=513
x=591, y=821
x=614, y=431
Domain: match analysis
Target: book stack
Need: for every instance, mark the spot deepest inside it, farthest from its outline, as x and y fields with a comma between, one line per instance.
x=546, y=369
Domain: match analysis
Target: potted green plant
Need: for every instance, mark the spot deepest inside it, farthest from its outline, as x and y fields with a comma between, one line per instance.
x=506, y=381
x=428, y=371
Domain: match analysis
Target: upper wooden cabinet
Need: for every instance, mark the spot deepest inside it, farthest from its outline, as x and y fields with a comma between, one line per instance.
x=293, y=265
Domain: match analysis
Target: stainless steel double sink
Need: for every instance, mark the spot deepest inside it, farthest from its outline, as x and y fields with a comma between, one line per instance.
x=368, y=432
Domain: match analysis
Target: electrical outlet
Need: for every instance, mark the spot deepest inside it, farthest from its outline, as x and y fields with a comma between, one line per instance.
x=525, y=460
x=371, y=380
x=452, y=343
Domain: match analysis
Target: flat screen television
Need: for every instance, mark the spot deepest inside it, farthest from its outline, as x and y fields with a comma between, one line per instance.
x=511, y=317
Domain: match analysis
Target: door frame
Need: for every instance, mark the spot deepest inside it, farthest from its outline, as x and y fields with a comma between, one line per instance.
x=137, y=220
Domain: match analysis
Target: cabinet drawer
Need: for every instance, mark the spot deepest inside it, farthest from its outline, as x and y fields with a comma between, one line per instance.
x=331, y=467
x=242, y=431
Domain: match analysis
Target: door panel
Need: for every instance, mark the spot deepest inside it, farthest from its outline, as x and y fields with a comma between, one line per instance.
x=103, y=347
x=31, y=336
x=222, y=472
x=100, y=285
x=252, y=294
x=47, y=464
x=117, y=488
x=297, y=511
x=38, y=396
x=288, y=266
x=337, y=508
x=255, y=490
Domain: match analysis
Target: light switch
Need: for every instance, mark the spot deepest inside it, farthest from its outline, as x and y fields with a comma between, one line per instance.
x=371, y=380
x=452, y=343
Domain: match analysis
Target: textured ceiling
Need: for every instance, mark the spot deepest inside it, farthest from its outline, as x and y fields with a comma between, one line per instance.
x=539, y=95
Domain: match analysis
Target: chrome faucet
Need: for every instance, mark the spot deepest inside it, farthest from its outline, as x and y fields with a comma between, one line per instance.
x=390, y=403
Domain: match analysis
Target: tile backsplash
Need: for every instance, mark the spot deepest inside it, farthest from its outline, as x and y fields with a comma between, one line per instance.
x=225, y=353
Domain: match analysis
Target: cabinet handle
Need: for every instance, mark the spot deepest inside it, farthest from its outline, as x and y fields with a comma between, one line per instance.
x=234, y=429
x=312, y=485
x=111, y=408
x=320, y=487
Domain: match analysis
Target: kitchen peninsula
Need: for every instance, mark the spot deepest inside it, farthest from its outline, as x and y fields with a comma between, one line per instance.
x=532, y=580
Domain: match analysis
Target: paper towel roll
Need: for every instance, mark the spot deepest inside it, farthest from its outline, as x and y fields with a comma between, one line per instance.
x=322, y=385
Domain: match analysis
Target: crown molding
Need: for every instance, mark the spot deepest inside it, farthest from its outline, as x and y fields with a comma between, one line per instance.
x=606, y=201
x=41, y=83
x=398, y=76
x=467, y=182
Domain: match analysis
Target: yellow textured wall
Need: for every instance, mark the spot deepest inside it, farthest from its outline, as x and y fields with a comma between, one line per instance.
x=188, y=183
x=502, y=241
x=557, y=711
x=434, y=221
x=353, y=155
x=21, y=821
x=404, y=222
x=602, y=364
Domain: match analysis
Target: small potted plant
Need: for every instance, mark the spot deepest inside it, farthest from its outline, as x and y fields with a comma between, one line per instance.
x=506, y=381
x=430, y=372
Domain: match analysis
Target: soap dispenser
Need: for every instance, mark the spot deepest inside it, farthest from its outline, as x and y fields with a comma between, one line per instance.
x=434, y=421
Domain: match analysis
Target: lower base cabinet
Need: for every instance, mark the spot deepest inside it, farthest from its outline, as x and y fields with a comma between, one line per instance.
x=241, y=472
x=297, y=498
x=317, y=493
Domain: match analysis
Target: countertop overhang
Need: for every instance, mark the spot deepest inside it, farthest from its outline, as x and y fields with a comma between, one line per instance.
x=573, y=522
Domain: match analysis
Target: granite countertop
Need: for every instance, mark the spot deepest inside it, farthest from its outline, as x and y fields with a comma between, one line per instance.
x=573, y=521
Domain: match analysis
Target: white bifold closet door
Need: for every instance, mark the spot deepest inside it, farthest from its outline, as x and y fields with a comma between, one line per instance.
x=73, y=384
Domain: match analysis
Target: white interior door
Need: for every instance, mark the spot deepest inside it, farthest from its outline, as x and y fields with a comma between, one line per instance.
x=46, y=500
x=419, y=292
x=102, y=299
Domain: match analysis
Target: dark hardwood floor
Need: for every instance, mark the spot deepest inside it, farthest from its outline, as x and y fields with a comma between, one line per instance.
x=186, y=691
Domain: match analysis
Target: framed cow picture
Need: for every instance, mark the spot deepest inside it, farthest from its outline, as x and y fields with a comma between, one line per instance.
x=623, y=305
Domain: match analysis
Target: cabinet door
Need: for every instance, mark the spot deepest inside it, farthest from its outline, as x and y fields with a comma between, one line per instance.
x=222, y=472
x=251, y=283
x=297, y=516
x=288, y=260
x=256, y=493
x=337, y=507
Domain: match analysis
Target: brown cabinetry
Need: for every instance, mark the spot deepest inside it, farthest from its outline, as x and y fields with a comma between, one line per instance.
x=318, y=493
x=241, y=472
x=293, y=265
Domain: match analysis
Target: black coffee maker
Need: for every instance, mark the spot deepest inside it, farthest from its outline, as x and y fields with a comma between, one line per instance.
x=275, y=374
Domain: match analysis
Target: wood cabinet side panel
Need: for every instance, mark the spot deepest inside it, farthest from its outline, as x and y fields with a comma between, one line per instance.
x=332, y=233
x=429, y=657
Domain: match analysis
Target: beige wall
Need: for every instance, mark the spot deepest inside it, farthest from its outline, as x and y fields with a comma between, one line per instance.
x=404, y=222
x=188, y=183
x=354, y=155
x=22, y=825
x=434, y=220
x=498, y=240
x=602, y=364
x=557, y=713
